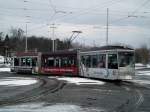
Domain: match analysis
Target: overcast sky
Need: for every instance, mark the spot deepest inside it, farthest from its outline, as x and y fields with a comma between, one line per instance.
x=129, y=20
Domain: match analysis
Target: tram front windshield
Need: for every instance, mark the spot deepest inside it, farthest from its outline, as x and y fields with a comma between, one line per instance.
x=126, y=59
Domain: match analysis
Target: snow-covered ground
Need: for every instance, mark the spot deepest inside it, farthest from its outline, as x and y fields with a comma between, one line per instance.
x=79, y=81
x=141, y=66
x=17, y=81
x=1, y=59
x=142, y=77
x=5, y=69
x=143, y=73
x=141, y=82
x=42, y=107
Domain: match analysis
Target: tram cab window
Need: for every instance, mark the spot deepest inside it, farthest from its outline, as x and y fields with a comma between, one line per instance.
x=112, y=61
x=101, y=61
x=16, y=61
x=50, y=62
x=23, y=61
x=126, y=59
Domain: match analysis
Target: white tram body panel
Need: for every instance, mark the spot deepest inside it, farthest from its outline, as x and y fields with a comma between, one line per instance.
x=118, y=64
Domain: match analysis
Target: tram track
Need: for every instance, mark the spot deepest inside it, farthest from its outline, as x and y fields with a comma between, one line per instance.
x=133, y=102
x=133, y=96
x=47, y=86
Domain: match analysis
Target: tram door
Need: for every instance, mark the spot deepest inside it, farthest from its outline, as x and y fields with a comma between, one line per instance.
x=82, y=67
x=112, y=65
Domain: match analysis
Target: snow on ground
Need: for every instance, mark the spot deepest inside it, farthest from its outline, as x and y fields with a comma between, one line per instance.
x=17, y=81
x=141, y=66
x=142, y=77
x=142, y=82
x=79, y=81
x=42, y=107
x=4, y=69
x=1, y=59
x=143, y=73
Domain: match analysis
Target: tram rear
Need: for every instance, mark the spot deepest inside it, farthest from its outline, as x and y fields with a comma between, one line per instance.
x=25, y=62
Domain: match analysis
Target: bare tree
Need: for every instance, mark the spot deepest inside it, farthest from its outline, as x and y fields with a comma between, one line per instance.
x=142, y=54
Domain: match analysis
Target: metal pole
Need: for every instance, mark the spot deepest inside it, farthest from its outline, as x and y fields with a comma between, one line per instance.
x=53, y=37
x=107, y=26
x=26, y=41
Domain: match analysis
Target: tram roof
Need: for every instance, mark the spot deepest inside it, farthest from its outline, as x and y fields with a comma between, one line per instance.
x=110, y=47
x=74, y=52
x=61, y=52
x=26, y=54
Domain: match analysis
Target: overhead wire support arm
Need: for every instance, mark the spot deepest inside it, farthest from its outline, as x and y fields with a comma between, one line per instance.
x=73, y=37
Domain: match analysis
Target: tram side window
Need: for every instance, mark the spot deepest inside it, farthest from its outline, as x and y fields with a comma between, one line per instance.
x=101, y=61
x=94, y=61
x=71, y=62
x=44, y=61
x=68, y=61
x=23, y=62
x=112, y=61
x=88, y=61
x=34, y=62
x=50, y=62
x=16, y=61
x=64, y=62
x=57, y=62
x=28, y=61
x=83, y=60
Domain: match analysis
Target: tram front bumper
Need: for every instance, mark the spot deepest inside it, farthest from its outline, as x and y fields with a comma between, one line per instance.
x=126, y=74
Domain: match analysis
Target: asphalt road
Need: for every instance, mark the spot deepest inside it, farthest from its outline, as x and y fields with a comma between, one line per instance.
x=49, y=94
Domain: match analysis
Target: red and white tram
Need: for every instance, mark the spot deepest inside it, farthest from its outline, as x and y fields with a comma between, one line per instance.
x=107, y=62
x=54, y=63
x=59, y=63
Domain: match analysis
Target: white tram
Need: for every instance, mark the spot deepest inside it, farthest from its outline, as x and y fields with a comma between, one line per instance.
x=108, y=62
